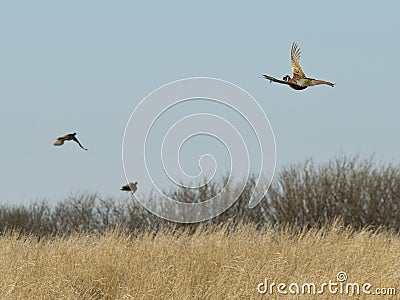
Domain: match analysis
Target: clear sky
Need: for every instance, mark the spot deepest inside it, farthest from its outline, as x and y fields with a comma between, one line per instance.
x=84, y=65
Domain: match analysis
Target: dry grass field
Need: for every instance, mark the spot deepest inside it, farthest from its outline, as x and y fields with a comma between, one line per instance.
x=209, y=264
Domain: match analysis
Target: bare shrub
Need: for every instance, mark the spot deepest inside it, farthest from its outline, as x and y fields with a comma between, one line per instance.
x=353, y=190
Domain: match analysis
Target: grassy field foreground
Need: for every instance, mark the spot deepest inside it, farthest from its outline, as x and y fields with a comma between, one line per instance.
x=211, y=264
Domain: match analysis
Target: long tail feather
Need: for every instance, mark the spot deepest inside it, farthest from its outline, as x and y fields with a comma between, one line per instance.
x=272, y=79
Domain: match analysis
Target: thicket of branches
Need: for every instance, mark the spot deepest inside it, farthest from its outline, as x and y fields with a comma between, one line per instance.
x=356, y=191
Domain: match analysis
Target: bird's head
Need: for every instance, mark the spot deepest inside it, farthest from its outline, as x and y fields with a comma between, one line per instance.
x=286, y=78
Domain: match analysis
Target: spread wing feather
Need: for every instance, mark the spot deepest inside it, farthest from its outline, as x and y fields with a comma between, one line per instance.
x=296, y=67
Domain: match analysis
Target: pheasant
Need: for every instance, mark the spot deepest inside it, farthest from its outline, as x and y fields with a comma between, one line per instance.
x=69, y=137
x=129, y=187
x=299, y=81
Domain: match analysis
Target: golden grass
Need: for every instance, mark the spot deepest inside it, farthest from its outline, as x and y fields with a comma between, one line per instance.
x=205, y=265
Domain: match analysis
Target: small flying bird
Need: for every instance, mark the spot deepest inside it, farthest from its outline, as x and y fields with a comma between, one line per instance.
x=299, y=81
x=69, y=137
x=130, y=187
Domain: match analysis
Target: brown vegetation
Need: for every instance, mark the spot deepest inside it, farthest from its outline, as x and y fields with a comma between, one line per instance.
x=358, y=192
x=316, y=221
x=215, y=263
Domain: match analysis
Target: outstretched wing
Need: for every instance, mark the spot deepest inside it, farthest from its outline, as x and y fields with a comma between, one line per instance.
x=76, y=140
x=296, y=67
x=125, y=188
x=59, y=141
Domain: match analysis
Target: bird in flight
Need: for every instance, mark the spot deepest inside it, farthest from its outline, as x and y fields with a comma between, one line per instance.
x=130, y=187
x=299, y=81
x=69, y=137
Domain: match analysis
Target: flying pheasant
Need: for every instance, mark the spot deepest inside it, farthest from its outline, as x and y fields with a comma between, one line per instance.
x=299, y=81
x=69, y=137
x=129, y=187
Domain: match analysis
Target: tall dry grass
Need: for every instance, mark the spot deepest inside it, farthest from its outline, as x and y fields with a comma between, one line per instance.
x=208, y=264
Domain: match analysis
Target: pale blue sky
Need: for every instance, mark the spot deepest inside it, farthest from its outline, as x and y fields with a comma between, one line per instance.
x=84, y=65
